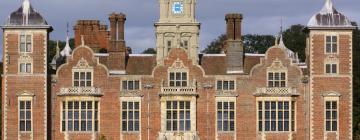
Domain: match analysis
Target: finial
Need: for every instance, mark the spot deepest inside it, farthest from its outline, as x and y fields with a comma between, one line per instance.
x=57, y=47
x=82, y=40
x=67, y=29
x=328, y=7
x=26, y=11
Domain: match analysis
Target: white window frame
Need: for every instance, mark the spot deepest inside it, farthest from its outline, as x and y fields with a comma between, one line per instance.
x=222, y=85
x=291, y=119
x=274, y=80
x=127, y=85
x=26, y=67
x=86, y=71
x=181, y=79
x=26, y=43
x=331, y=68
x=93, y=119
x=332, y=43
x=25, y=100
x=228, y=100
x=186, y=109
x=130, y=99
x=331, y=100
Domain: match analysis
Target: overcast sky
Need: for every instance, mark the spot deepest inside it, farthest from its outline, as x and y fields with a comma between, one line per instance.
x=260, y=16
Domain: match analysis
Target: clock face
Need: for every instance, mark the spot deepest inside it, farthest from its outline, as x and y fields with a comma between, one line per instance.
x=177, y=8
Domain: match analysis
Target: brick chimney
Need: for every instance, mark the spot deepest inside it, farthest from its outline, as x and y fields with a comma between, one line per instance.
x=234, y=46
x=117, y=48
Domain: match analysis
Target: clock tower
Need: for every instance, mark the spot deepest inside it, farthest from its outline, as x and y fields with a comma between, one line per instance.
x=177, y=28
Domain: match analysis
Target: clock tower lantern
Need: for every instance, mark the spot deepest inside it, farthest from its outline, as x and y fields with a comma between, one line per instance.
x=177, y=28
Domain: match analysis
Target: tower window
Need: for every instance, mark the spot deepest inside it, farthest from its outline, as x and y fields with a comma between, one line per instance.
x=331, y=115
x=25, y=116
x=25, y=43
x=25, y=67
x=169, y=44
x=331, y=44
x=331, y=68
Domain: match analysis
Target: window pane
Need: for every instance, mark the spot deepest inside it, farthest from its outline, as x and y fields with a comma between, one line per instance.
x=334, y=68
x=22, y=115
x=178, y=76
x=219, y=85
x=131, y=85
x=28, y=125
x=124, y=85
x=184, y=76
x=22, y=104
x=28, y=47
x=232, y=85
x=28, y=68
x=172, y=76
x=137, y=85
x=271, y=76
x=226, y=85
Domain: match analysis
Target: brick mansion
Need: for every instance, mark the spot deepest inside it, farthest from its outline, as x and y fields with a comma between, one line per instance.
x=99, y=90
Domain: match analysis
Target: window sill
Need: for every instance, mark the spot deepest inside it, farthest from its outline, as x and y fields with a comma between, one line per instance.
x=225, y=132
x=277, y=132
x=79, y=132
x=131, y=132
x=25, y=132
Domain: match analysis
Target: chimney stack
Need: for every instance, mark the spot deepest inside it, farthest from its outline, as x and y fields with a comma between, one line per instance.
x=233, y=26
x=234, y=46
x=117, y=47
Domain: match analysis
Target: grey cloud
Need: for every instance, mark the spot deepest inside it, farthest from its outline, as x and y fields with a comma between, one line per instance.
x=260, y=16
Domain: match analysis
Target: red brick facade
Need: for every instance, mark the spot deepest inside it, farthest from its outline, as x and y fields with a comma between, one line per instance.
x=306, y=89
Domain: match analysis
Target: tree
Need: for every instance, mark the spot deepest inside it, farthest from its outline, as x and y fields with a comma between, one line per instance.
x=356, y=83
x=295, y=40
x=149, y=51
x=252, y=43
x=216, y=45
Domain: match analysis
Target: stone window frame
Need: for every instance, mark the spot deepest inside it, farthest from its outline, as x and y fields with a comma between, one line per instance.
x=80, y=99
x=229, y=80
x=27, y=60
x=292, y=113
x=177, y=119
x=225, y=99
x=337, y=43
x=331, y=60
x=25, y=97
x=127, y=87
x=169, y=38
x=181, y=79
x=277, y=67
x=185, y=37
x=193, y=115
x=130, y=99
x=31, y=43
x=178, y=67
x=82, y=66
x=331, y=97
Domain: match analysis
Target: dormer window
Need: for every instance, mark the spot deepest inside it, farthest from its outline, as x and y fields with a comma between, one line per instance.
x=82, y=79
x=276, y=79
x=25, y=43
x=178, y=79
x=331, y=44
